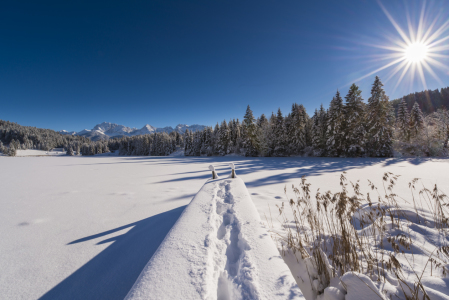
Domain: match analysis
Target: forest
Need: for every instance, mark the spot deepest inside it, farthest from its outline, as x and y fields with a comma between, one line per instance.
x=416, y=125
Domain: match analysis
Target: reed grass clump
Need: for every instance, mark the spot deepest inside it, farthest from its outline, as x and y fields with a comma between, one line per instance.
x=370, y=233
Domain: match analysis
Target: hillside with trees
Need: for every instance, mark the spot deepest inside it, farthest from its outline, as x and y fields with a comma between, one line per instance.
x=429, y=101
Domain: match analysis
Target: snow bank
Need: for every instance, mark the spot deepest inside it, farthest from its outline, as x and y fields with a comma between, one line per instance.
x=218, y=249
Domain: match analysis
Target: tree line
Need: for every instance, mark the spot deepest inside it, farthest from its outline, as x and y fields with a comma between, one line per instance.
x=348, y=128
x=18, y=137
x=429, y=101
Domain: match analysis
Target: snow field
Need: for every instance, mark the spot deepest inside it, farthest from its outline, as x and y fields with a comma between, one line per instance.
x=218, y=249
x=85, y=227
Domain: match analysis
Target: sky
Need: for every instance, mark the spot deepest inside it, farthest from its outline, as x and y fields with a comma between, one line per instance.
x=73, y=64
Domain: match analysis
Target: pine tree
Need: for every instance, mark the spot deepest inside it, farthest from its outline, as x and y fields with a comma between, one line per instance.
x=355, y=119
x=403, y=120
x=380, y=123
x=416, y=120
x=335, y=144
x=250, y=142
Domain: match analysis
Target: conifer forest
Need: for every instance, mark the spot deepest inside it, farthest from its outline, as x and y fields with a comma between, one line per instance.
x=416, y=125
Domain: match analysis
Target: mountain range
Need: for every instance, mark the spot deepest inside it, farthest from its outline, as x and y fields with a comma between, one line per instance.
x=107, y=130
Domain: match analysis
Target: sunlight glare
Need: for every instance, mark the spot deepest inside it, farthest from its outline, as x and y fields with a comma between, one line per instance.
x=416, y=52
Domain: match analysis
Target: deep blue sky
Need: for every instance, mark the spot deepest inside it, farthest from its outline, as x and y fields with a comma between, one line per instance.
x=73, y=64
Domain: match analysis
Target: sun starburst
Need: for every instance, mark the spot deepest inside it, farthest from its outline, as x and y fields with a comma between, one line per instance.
x=415, y=51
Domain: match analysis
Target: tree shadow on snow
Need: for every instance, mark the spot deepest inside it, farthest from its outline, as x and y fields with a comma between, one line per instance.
x=112, y=273
x=294, y=167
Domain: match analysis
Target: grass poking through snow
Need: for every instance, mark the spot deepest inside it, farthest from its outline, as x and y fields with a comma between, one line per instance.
x=397, y=246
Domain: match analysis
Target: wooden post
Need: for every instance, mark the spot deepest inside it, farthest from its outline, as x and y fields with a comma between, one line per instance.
x=232, y=170
x=214, y=175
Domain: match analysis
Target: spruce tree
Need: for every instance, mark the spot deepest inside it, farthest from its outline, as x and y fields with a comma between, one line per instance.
x=297, y=129
x=280, y=135
x=403, y=120
x=250, y=133
x=262, y=130
x=316, y=133
x=416, y=120
x=335, y=144
x=188, y=143
x=355, y=122
x=223, y=142
x=216, y=140
x=380, y=122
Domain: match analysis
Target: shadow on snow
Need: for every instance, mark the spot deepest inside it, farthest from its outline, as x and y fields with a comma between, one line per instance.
x=112, y=273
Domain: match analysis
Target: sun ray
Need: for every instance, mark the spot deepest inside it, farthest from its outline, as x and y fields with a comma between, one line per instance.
x=438, y=32
x=411, y=33
x=429, y=30
x=415, y=50
x=432, y=73
x=402, y=75
x=396, y=70
x=421, y=75
x=396, y=26
x=437, y=64
x=382, y=68
x=419, y=32
x=431, y=54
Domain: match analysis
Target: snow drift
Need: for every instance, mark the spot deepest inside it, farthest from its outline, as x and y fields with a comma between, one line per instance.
x=218, y=249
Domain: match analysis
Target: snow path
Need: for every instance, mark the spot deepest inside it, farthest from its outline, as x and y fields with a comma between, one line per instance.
x=85, y=227
x=218, y=249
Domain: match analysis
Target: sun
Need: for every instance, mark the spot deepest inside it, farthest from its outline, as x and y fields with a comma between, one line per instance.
x=416, y=52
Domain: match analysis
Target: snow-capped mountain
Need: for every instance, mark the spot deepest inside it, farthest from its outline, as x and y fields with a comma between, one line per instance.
x=106, y=130
x=67, y=132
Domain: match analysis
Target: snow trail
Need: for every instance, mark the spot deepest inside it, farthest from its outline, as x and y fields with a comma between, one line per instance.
x=230, y=283
x=218, y=249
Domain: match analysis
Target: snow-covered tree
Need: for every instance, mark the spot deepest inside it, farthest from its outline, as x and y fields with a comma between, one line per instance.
x=280, y=135
x=70, y=150
x=355, y=122
x=416, y=120
x=250, y=142
x=223, y=138
x=379, y=122
x=403, y=120
x=335, y=144
x=263, y=129
x=319, y=131
x=216, y=139
x=297, y=129
x=188, y=143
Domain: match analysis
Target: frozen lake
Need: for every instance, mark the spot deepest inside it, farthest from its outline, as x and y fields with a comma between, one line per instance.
x=85, y=227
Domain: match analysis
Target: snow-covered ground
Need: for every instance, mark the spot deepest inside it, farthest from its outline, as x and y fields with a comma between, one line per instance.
x=85, y=227
x=33, y=152
x=218, y=249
